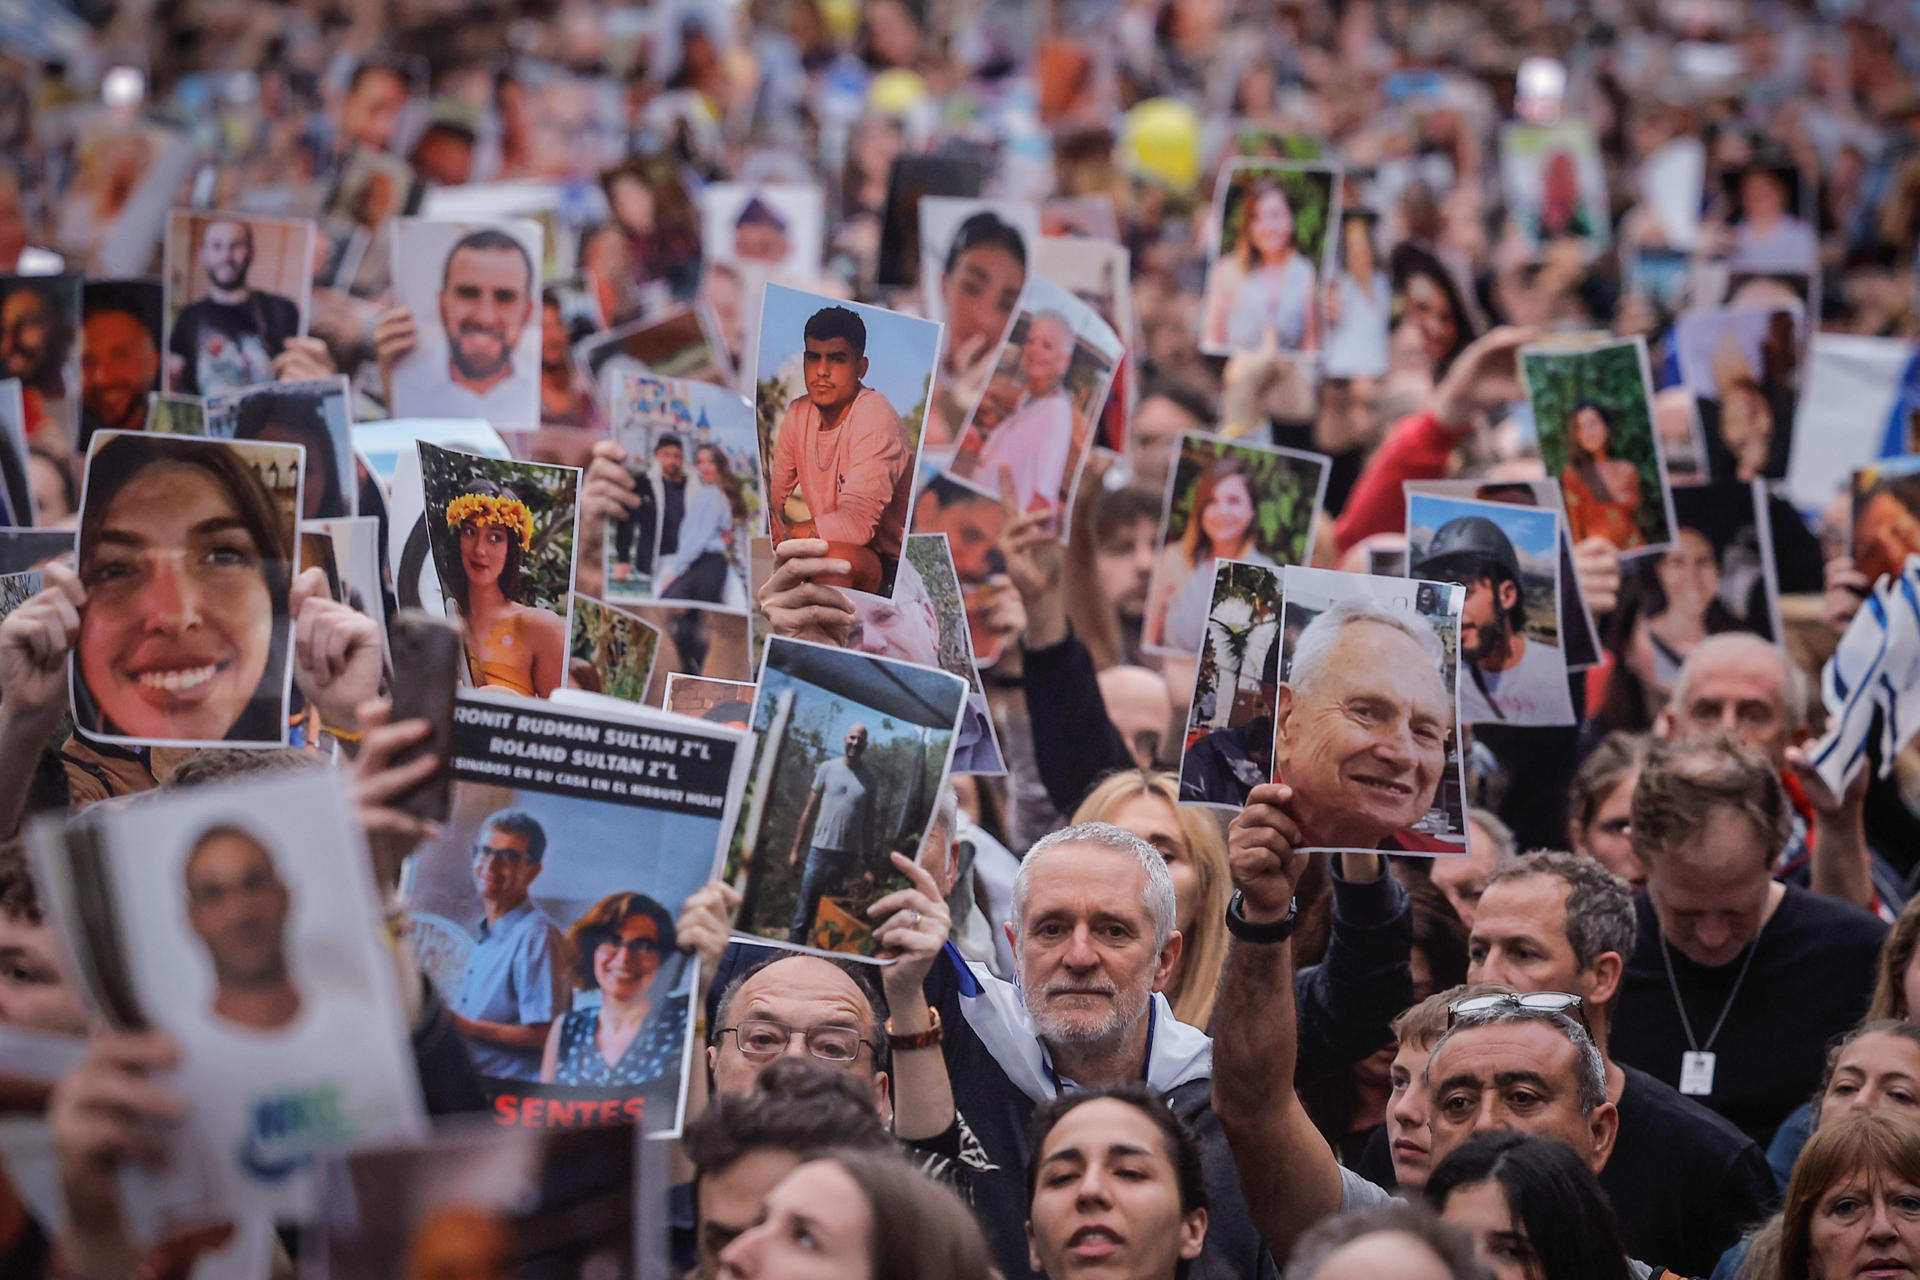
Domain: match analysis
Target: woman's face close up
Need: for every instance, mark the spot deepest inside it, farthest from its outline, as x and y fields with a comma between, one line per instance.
x=1875, y=1072
x=483, y=551
x=1688, y=573
x=708, y=466
x=1500, y=1240
x=1270, y=226
x=625, y=963
x=1359, y=249
x=1867, y=1224
x=179, y=622
x=814, y=1226
x=1590, y=429
x=1228, y=516
x=979, y=295
x=1432, y=317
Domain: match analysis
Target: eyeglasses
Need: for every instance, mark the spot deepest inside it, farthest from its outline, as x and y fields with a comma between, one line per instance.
x=1533, y=1001
x=761, y=1039
x=512, y=857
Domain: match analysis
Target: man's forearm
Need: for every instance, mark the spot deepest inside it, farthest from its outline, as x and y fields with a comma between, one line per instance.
x=1255, y=1031
x=922, y=1093
x=1841, y=866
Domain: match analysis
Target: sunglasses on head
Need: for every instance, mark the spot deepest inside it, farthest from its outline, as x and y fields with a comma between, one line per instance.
x=1533, y=1001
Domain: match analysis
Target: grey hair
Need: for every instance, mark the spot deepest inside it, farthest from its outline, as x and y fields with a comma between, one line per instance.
x=1499, y=832
x=1600, y=914
x=1315, y=644
x=1447, y=1242
x=1066, y=325
x=946, y=810
x=1104, y=835
x=1592, y=1068
x=1796, y=688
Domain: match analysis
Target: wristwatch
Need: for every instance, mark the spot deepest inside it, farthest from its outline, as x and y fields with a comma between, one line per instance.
x=1240, y=927
x=918, y=1040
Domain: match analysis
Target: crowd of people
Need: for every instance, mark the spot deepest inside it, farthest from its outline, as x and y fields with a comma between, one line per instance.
x=1657, y=1018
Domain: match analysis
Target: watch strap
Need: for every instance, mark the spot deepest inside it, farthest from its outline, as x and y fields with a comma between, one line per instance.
x=1240, y=927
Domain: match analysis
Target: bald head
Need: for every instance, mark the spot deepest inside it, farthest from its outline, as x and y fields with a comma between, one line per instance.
x=1742, y=683
x=819, y=1003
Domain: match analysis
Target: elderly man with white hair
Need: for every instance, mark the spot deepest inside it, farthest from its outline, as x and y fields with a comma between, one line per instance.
x=1094, y=941
x=1360, y=737
x=1035, y=440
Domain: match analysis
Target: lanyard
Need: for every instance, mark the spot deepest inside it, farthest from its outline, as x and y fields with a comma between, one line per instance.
x=1686, y=1024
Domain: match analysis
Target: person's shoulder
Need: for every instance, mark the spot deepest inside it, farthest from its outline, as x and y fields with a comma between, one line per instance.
x=870, y=403
x=279, y=302
x=1683, y=1124
x=1826, y=919
x=541, y=621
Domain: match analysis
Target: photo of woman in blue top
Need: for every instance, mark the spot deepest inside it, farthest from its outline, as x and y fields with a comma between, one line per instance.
x=637, y=1032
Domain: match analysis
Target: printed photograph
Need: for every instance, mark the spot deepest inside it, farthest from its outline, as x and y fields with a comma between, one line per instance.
x=242, y=919
x=1040, y=409
x=120, y=332
x=471, y=288
x=1580, y=637
x=171, y=415
x=949, y=227
x=39, y=331
x=926, y=624
x=1099, y=272
x=1744, y=366
x=682, y=344
x=1886, y=516
x=1593, y=411
x=776, y=226
x=485, y=1205
x=1506, y=559
x=501, y=535
x=1273, y=232
x=841, y=392
x=317, y=416
x=695, y=639
x=853, y=751
x=1359, y=304
x=371, y=188
x=728, y=702
x=694, y=453
x=612, y=651
x=356, y=556
x=1228, y=750
x=1554, y=183
x=237, y=288
x=544, y=911
x=1256, y=504
x=16, y=479
x=1391, y=643
x=974, y=260
x=658, y=220
x=175, y=529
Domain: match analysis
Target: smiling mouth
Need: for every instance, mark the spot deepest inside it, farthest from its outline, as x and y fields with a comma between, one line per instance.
x=177, y=679
x=1399, y=790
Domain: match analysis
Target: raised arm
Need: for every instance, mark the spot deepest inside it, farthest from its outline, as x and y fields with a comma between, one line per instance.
x=1288, y=1174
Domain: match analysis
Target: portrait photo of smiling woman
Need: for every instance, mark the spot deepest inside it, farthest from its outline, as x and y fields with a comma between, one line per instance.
x=502, y=535
x=186, y=557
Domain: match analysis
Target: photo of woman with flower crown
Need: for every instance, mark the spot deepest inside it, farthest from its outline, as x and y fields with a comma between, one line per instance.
x=502, y=537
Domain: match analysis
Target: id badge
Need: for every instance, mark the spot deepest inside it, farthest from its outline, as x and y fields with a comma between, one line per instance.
x=1696, y=1074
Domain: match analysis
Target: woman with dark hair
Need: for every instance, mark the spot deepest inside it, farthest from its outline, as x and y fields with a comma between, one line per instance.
x=635, y=1035
x=1220, y=526
x=1600, y=802
x=715, y=509
x=1853, y=1201
x=1602, y=491
x=509, y=644
x=1534, y=1208
x=1681, y=606
x=1117, y=1160
x=1430, y=305
x=297, y=418
x=980, y=283
x=1266, y=284
x=187, y=561
x=860, y=1215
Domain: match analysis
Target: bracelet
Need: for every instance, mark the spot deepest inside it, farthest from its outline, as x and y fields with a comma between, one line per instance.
x=918, y=1040
x=343, y=735
x=1244, y=929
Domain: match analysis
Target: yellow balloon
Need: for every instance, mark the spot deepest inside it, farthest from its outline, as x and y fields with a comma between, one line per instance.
x=895, y=92
x=1161, y=140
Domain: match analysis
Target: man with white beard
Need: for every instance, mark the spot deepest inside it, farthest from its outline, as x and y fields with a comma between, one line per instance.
x=1094, y=942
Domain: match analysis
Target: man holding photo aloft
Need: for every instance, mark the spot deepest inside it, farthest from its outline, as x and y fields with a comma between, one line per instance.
x=841, y=803
x=840, y=455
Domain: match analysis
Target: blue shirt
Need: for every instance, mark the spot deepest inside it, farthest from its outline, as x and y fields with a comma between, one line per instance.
x=510, y=978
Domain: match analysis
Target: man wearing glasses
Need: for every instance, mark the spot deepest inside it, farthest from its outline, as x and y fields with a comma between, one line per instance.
x=1523, y=1062
x=1684, y=1182
x=510, y=992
